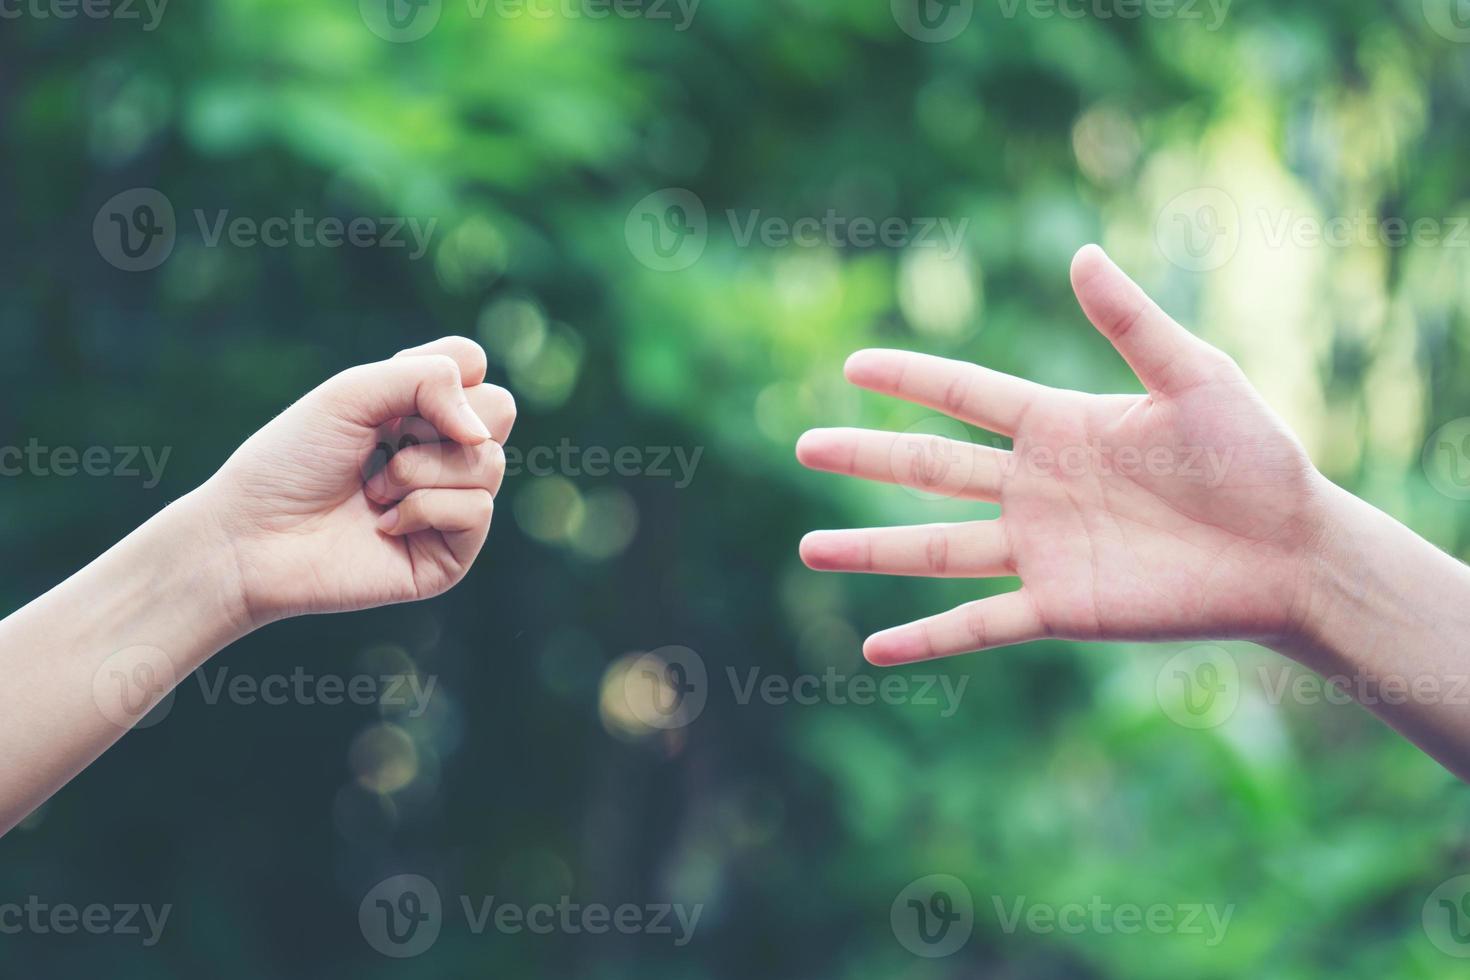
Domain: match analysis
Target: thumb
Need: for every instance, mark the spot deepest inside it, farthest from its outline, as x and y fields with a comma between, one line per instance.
x=1166, y=357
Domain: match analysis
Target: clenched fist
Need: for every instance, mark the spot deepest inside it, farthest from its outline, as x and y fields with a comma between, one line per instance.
x=376, y=487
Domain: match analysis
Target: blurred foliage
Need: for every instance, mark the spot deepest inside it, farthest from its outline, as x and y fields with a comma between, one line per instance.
x=528, y=140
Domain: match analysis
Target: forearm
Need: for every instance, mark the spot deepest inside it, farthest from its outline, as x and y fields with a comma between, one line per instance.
x=1391, y=613
x=86, y=660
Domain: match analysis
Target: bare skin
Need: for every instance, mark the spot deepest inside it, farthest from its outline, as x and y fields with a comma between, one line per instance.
x=1189, y=512
x=303, y=518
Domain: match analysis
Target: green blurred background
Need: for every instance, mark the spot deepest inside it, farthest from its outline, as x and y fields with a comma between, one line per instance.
x=531, y=141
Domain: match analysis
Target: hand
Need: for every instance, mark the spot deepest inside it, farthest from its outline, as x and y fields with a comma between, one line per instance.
x=1188, y=512
x=376, y=487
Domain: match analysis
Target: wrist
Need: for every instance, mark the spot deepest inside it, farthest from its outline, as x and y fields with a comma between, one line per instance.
x=193, y=550
x=1371, y=582
x=1329, y=582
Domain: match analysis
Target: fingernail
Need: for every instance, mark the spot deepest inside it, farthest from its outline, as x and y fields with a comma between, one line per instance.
x=389, y=520
x=474, y=422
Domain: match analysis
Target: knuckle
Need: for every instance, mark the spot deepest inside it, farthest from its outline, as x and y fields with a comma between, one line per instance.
x=936, y=553
x=471, y=349
x=441, y=369
x=486, y=461
x=495, y=453
x=975, y=629
x=344, y=381
x=411, y=509
x=404, y=466
x=483, y=506
x=1218, y=363
x=508, y=402
x=956, y=395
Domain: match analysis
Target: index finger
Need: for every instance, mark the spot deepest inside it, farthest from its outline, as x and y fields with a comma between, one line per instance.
x=967, y=392
x=469, y=355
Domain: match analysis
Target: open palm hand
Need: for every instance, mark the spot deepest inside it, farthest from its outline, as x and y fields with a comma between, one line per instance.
x=1188, y=512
